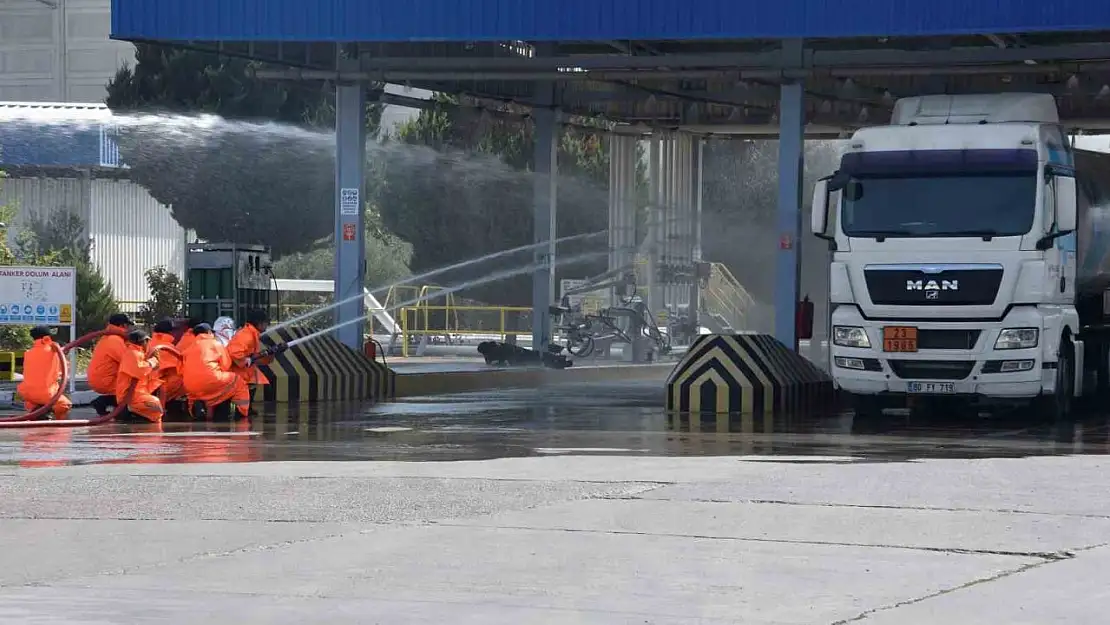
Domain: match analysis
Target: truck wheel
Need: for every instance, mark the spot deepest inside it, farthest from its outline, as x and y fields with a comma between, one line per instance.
x=1058, y=405
x=867, y=406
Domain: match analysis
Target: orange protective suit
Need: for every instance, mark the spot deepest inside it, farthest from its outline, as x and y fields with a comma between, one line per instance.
x=246, y=343
x=105, y=363
x=136, y=370
x=41, y=374
x=208, y=375
x=169, y=368
x=186, y=341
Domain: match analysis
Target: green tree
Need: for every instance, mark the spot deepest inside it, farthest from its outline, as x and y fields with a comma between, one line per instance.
x=167, y=296
x=457, y=184
x=239, y=177
x=12, y=338
x=387, y=257
x=59, y=239
x=95, y=300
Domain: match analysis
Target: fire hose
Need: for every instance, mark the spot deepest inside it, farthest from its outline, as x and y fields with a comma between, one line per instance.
x=27, y=420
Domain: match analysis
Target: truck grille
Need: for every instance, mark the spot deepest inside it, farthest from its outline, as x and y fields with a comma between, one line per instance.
x=947, y=339
x=941, y=285
x=932, y=369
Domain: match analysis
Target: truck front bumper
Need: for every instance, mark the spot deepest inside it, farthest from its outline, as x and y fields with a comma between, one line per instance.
x=979, y=370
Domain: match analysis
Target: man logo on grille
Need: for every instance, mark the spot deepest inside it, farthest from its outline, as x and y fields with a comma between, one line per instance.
x=932, y=285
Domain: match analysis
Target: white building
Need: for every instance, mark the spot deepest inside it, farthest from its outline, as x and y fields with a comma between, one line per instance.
x=58, y=50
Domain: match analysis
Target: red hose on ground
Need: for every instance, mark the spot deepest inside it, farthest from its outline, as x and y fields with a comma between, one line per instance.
x=71, y=423
x=61, y=352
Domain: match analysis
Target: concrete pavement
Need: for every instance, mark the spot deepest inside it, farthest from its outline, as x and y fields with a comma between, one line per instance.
x=564, y=539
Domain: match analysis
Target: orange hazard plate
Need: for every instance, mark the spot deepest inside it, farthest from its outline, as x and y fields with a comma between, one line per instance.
x=899, y=339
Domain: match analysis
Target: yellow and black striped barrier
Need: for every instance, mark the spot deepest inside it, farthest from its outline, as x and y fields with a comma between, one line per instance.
x=11, y=363
x=746, y=373
x=321, y=370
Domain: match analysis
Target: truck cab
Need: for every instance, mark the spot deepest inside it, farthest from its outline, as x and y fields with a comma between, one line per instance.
x=957, y=233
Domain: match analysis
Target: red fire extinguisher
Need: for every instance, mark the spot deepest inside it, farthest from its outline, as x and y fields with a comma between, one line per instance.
x=803, y=319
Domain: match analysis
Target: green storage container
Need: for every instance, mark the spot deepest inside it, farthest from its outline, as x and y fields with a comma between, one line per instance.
x=227, y=280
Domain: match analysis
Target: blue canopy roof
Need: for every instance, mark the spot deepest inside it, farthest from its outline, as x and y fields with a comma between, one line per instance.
x=590, y=20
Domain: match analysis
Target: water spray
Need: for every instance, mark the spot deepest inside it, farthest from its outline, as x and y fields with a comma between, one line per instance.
x=509, y=273
x=434, y=272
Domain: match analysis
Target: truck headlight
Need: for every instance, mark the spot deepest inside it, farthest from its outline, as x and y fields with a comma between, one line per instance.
x=850, y=336
x=1017, y=338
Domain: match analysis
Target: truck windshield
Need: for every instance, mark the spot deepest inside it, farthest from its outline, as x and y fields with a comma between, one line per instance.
x=952, y=205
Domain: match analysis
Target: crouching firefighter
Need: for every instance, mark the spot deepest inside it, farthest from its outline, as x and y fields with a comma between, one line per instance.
x=172, y=388
x=213, y=388
x=138, y=379
x=41, y=374
x=247, y=351
x=105, y=363
x=187, y=335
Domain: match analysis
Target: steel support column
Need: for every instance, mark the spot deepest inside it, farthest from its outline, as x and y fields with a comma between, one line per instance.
x=350, y=237
x=622, y=204
x=546, y=136
x=787, y=266
x=695, y=243
x=653, y=243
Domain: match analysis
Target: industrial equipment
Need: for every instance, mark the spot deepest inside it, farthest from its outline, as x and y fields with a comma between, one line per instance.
x=228, y=279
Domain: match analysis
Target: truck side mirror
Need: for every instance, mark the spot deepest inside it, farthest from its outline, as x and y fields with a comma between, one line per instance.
x=1065, y=204
x=819, y=210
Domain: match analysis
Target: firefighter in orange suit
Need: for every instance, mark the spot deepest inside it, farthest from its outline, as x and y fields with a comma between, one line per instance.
x=105, y=363
x=42, y=372
x=138, y=376
x=210, y=381
x=169, y=365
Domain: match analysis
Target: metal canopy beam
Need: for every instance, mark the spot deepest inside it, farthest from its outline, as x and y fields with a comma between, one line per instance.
x=888, y=57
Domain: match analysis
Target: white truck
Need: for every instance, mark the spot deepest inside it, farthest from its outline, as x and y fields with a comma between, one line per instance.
x=970, y=257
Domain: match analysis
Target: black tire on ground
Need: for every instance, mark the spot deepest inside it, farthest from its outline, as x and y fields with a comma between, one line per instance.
x=1057, y=406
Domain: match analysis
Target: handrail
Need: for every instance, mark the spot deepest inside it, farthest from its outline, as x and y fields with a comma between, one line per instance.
x=726, y=297
x=421, y=311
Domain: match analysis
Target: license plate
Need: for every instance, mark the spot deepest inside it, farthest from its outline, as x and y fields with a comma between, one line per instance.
x=899, y=339
x=936, y=388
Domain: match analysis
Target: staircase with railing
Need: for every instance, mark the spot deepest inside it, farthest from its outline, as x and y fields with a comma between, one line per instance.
x=724, y=301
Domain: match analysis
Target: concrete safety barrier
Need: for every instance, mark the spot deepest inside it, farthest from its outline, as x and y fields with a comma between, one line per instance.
x=321, y=370
x=746, y=373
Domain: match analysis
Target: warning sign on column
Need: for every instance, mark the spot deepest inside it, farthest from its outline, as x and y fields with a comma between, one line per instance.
x=348, y=201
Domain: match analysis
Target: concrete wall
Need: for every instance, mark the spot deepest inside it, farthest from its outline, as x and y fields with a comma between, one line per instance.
x=58, y=50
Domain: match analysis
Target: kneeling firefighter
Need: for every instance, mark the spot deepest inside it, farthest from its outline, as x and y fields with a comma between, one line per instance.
x=41, y=374
x=188, y=336
x=210, y=382
x=105, y=363
x=169, y=365
x=138, y=374
x=247, y=352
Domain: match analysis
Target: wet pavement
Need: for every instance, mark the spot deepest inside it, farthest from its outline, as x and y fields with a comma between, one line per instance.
x=624, y=419
x=582, y=504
